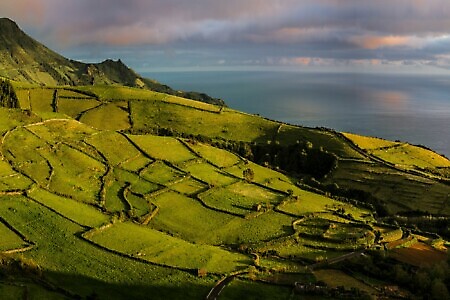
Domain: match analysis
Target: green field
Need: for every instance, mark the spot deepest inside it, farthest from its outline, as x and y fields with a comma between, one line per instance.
x=185, y=217
x=210, y=174
x=157, y=247
x=82, y=268
x=188, y=186
x=115, y=147
x=240, y=198
x=229, y=124
x=78, y=212
x=41, y=99
x=75, y=107
x=370, y=143
x=108, y=92
x=159, y=172
x=10, y=240
x=400, y=153
x=115, y=212
x=110, y=116
x=163, y=148
x=218, y=157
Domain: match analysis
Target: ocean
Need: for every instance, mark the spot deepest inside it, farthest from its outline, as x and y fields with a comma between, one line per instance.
x=411, y=108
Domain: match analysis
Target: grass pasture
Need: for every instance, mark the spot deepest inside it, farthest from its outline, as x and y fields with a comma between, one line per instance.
x=264, y=228
x=163, y=148
x=73, y=93
x=210, y=174
x=188, y=219
x=195, y=209
x=157, y=247
x=21, y=147
x=218, y=157
x=369, y=143
x=139, y=205
x=9, y=239
x=136, y=163
x=118, y=93
x=188, y=186
x=143, y=187
x=240, y=198
x=60, y=130
x=191, y=103
x=41, y=99
x=308, y=202
x=109, y=116
x=24, y=288
x=75, y=174
x=409, y=155
x=229, y=124
x=115, y=147
x=160, y=173
x=23, y=95
x=78, y=212
x=397, y=153
x=114, y=201
x=16, y=182
x=289, y=248
x=61, y=253
x=74, y=107
x=329, y=231
x=262, y=174
x=11, y=118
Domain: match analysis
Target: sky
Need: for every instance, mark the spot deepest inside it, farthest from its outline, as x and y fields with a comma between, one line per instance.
x=158, y=35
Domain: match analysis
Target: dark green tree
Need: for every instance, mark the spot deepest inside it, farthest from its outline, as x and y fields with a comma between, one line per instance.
x=8, y=96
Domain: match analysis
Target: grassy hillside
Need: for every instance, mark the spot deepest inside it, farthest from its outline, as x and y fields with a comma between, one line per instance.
x=402, y=177
x=118, y=192
x=77, y=180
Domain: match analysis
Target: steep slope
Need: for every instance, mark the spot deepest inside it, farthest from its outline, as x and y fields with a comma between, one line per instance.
x=24, y=59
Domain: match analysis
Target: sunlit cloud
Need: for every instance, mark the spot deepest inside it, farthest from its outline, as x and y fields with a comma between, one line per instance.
x=376, y=42
x=308, y=33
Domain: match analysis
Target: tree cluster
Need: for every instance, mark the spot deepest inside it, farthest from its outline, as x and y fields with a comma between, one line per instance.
x=431, y=282
x=8, y=97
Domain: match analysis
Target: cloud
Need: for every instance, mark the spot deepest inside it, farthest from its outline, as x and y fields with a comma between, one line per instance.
x=338, y=30
x=375, y=42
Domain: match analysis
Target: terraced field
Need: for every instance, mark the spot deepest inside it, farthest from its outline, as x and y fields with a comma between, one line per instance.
x=89, y=195
x=157, y=205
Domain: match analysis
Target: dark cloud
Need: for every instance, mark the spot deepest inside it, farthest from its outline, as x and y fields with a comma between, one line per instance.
x=288, y=30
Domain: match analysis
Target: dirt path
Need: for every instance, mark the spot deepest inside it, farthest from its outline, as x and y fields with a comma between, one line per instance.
x=221, y=284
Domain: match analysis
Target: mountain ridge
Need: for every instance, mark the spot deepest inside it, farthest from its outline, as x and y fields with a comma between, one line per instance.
x=24, y=59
